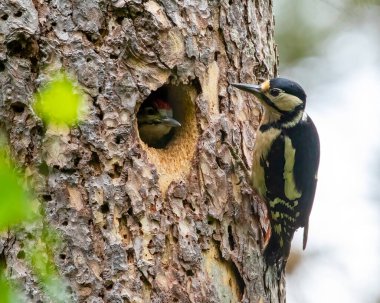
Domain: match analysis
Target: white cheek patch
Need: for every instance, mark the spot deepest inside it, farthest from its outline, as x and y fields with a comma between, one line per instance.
x=287, y=102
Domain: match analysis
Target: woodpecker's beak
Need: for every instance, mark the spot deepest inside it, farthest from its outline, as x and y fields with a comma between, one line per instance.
x=250, y=88
x=170, y=122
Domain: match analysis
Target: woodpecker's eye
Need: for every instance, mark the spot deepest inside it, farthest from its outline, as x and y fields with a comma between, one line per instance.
x=274, y=92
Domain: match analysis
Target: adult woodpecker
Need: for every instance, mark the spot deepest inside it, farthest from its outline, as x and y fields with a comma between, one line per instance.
x=285, y=162
x=155, y=121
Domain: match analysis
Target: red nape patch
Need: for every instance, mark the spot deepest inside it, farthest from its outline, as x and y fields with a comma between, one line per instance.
x=161, y=104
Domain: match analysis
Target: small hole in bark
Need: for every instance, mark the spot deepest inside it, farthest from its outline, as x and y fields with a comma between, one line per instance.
x=54, y=23
x=21, y=254
x=175, y=239
x=22, y=46
x=47, y=197
x=216, y=55
x=119, y=20
x=189, y=273
x=62, y=256
x=88, y=60
x=77, y=160
x=100, y=114
x=113, y=56
x=14, y=47
x=43, y=168
x=2, y=66
x=18, y=107
x=118, y=139
x=105, y=208
x=188, y=204
x=109, y=285
x=4, y=17
x=239, y=279
x=231, y=239
x=130, y=258
x=210, y=220
x=95, y=161
x=65, y=223
x=91, y=37
x=116, y=171
x=18, y=14
x=223, y=136
x=103, y=32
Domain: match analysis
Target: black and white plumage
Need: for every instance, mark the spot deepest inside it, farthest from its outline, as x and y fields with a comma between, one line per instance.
x=285, y=162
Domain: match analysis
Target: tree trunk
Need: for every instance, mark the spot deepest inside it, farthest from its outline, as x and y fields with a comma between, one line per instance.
x=143, y=224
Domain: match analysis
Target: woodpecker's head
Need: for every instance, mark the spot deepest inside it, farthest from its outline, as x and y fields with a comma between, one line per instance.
x=280, y=95
x=155, y=121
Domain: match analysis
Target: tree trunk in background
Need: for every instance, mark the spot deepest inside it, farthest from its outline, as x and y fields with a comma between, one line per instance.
x=142, y=224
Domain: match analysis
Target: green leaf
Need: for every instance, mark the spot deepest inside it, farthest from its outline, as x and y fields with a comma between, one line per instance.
x=43, y=266
x=5, y=290
x=8, y=292
x=14, y=202
x=60, y=101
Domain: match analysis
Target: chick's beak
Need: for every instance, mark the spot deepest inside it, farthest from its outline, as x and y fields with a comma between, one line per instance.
x=170, y=122
x=250, y=88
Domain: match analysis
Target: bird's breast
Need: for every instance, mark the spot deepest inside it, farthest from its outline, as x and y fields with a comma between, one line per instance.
x=152, y=133
x=263, y=143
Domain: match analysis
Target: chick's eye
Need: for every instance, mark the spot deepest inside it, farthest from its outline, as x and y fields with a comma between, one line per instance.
x=150, y=111
x=274, y=92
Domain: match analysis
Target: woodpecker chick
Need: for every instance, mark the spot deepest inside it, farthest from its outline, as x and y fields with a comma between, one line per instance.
x=285, y=162
x=155, y=121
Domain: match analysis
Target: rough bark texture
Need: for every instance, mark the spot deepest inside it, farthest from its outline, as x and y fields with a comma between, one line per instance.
x=142, y=224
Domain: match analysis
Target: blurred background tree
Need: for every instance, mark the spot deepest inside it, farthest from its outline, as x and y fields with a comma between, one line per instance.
x=332, y=49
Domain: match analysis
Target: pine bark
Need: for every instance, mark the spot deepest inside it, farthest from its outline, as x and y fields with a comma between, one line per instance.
x=142, y=224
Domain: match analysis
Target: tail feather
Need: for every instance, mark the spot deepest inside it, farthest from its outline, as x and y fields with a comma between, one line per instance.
x=305, y=232
x=274, y=252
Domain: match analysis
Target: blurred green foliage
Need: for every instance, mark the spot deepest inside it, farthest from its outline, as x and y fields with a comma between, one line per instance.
x=14, y=205
x=304, y=26
x=40, y=255
x=60, y=102
x=19, y=210
x=7, y=292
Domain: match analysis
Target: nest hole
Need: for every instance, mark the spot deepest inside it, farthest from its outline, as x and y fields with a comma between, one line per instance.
x=167, y=128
